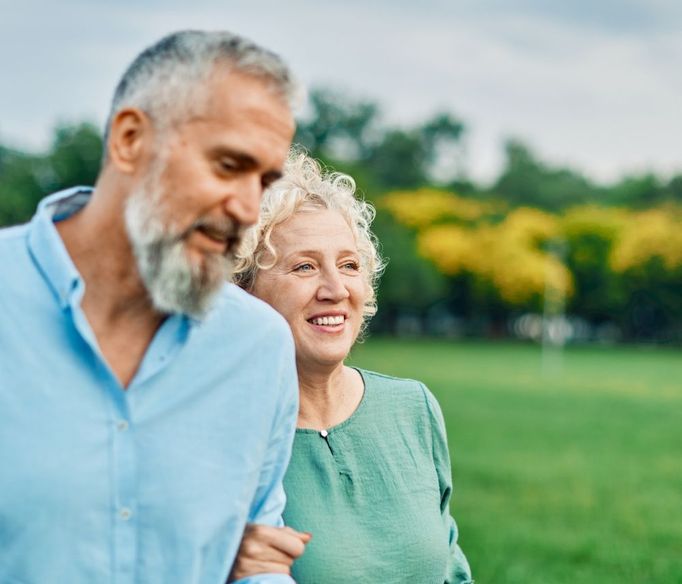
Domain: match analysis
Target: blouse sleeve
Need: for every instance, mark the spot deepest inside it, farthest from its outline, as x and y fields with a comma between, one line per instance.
x=458, y=570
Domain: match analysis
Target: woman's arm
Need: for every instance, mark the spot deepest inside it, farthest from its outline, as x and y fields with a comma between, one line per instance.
x=458, y=570
x=265, y=549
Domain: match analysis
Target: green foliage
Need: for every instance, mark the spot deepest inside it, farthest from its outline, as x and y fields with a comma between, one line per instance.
x=342, y=129
x=604, y=264
x=653, y=302
x=465, y=262
x=398, y=160
x=527, y=181
x=599, y=292
x=73, y=159
x=410, y=283
x=75, y=156
x=673, y=190
x=336, y=122
x=20, y=187
x=560, y=476
x=589, y=234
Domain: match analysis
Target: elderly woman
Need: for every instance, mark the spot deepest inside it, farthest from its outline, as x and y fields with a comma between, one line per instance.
x=370, y=471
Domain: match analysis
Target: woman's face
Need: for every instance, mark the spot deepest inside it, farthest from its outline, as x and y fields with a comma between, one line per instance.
x=316, y=285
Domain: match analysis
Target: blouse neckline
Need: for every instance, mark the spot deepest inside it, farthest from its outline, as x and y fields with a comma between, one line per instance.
x=358, y=410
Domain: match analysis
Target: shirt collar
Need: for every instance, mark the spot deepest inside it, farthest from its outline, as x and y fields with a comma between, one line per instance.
x=46, y=245
x=49, y=251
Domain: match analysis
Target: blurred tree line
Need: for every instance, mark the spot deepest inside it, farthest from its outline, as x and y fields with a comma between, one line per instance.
x=73, y=159
x=467, y=258
x=464, y=258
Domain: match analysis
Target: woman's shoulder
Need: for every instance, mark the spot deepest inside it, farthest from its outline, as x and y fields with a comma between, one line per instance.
x=381, y=380
x=401, y=391
x=396, y=390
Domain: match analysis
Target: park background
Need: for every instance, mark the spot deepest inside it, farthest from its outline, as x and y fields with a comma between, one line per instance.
x=527, y=173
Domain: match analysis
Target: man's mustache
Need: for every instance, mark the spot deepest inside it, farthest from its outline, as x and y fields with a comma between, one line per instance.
x=218, y=228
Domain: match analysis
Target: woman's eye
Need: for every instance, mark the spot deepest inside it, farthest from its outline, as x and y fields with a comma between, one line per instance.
x=352, y=266
x=303, y=268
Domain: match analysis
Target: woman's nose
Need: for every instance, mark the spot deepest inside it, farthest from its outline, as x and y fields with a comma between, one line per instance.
x=332, y=286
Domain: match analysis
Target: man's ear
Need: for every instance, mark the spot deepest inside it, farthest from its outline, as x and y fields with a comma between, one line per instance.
x=130, y=137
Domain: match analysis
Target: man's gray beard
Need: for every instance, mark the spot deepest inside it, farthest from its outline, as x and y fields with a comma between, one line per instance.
x=173, y=282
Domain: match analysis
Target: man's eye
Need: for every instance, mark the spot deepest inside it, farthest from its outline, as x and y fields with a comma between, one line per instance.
x=228, y=164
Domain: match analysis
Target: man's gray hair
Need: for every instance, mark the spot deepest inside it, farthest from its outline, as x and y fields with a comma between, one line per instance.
x=166, y=80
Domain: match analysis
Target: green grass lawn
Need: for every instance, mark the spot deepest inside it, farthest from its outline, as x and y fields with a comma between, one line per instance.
x=567, y=469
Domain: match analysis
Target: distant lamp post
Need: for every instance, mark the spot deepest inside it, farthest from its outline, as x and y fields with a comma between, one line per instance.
x=556, y=329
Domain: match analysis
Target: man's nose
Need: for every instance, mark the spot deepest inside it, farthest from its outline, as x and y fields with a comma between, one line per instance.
x=243, y=202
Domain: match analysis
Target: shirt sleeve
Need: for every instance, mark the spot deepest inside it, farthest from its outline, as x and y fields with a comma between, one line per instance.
x=268, y=503
x=458, y=570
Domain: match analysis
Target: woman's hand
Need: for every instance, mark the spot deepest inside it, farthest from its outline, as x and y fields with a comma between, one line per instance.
x=268, y=550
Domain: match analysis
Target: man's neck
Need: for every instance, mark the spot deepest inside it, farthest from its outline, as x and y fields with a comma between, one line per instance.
x=97, y=243
x=115, y=303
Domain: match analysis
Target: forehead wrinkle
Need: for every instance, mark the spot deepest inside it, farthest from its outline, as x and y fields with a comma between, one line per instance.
x=327, y=240
x=304, y=224
x=315, y=253
x=310, y=229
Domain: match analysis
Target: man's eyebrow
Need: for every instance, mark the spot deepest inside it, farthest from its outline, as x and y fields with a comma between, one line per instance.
x=247, y=162
x=242, y=158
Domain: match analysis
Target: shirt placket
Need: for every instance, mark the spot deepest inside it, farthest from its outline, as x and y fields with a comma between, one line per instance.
x=125, y=508
x=123, y=457
x=334, y=444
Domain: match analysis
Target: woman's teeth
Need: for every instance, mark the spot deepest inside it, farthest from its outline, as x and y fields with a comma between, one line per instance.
x=328, y=320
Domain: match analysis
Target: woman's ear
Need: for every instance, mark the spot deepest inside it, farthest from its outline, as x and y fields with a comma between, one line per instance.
x=130, y=137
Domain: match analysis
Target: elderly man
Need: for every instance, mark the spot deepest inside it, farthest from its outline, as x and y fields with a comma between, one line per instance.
x=147, y=407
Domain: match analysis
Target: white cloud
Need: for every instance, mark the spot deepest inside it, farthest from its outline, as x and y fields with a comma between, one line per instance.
x=592, y=84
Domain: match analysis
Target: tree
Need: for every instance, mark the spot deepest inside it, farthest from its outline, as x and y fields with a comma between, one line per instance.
x=20, y=185
x=414, y=157
x=442, y=140
x=341, y=129
x=410, y=283
x=338, y=127
x=73, y=159
x=637, y=191
x=527, y=181
x=75, y=156
x=398, y=160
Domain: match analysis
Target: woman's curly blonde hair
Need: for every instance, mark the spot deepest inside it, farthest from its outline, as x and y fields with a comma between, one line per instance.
x=306, y=186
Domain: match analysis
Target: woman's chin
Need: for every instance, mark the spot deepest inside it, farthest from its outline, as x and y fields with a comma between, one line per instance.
x=322, y=357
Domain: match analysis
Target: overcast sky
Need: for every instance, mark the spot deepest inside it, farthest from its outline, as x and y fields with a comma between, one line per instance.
x=595, y=84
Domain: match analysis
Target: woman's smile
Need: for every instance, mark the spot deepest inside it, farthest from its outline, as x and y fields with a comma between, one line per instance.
x=316, y=284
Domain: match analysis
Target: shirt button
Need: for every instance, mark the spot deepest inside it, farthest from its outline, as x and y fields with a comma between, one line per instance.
x=125, y=513
x=122, y=425
x=324, y=433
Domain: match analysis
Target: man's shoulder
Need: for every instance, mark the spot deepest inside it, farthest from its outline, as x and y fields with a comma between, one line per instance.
x=11, y=237
x=13, y=248
x=244, y=310
x=232, y=297
x=248, y=339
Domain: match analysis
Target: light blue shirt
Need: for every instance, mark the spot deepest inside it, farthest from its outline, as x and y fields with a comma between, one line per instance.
x=152, y=484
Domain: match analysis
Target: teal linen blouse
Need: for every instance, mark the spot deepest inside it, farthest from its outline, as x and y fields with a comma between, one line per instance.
x=375, y=493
